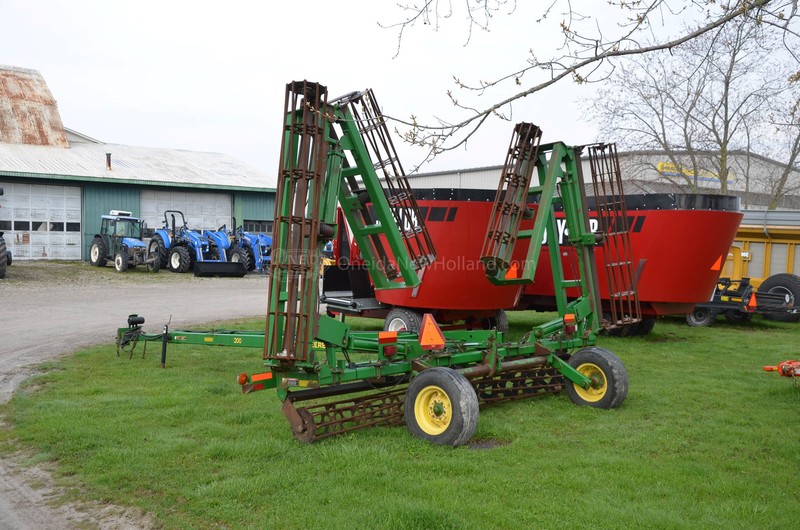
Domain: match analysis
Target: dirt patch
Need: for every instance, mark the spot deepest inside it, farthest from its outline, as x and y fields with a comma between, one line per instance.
x=52, y=308
x=486, y=443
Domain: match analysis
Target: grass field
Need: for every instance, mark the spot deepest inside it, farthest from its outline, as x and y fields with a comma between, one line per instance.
x=705, y=439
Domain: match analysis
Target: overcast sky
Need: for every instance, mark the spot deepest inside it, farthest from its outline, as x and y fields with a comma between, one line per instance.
x=210, y=76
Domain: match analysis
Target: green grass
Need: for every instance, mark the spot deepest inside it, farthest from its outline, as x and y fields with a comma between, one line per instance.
x=705, y=439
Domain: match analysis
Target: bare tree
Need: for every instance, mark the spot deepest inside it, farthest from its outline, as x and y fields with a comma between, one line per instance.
x=698, y=105
x=596, y=37
x=780, y=140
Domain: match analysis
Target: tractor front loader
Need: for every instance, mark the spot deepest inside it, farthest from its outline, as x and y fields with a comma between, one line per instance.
x=332, y=379
x=183, y=249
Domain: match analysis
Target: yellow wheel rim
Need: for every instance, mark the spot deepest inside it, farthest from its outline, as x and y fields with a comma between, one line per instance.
x=599, y=384
x=432, y=410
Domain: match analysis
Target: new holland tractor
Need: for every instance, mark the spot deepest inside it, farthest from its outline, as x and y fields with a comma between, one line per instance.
x=203, y=252
x=120, y=241
x=256, y=246
x=333, y=379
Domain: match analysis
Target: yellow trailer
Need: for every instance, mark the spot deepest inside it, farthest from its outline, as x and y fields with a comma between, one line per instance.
x=767, y=251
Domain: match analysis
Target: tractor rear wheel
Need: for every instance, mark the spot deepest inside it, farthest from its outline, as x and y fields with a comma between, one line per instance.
x=441, y=406
x=97, y=252
x=609, y=379
x=121, y=260
x=240, y=255
x=700, y=317
x=401, y=319
x=157, y=246
x=785, y=284
x=179, y=259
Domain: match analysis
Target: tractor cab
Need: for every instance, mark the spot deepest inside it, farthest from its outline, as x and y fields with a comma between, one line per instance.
x=121, y=228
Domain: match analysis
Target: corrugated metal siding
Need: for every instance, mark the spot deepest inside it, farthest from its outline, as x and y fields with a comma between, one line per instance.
x=256, y=206
x=28, y=111
x=101, y=199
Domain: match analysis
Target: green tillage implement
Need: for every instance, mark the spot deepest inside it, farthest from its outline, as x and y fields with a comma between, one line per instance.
x=436, y=381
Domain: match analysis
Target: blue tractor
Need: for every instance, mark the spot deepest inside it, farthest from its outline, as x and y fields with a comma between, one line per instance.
x=120, y=241
x=256, y=246
x=183, y=249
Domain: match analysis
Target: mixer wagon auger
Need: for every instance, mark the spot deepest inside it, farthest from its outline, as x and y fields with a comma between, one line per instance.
x=332, y=152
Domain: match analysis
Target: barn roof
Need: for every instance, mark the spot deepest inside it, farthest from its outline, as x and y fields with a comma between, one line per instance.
x=130, y=165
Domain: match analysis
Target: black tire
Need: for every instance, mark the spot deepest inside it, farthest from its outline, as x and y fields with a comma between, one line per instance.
x=401, y=319
x=608, y=372
x=499, y=321
x=251, y=265
x=179, y=259
x=240, y=255
x=441, y=406
x=98, y=253
x=736, y=316
x=157, y=246
x=645, y=326
x=155, y=265
x=783, y=283
x=121, y=260
x=700, y=317
x=5, y=257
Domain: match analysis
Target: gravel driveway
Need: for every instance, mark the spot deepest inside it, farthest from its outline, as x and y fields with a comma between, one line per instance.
x=52, y=308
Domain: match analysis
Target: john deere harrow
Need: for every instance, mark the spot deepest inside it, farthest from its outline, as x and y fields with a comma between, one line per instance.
x=332, y=379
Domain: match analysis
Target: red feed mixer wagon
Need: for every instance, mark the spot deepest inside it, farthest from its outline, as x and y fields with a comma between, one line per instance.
x=678, y=245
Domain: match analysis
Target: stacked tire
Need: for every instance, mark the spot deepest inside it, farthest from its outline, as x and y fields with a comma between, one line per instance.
x=787, y=285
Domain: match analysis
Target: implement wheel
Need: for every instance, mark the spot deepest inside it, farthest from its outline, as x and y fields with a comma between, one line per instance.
x=441, y=406
x=700, y=317
x=400, y=319
x=608, y=375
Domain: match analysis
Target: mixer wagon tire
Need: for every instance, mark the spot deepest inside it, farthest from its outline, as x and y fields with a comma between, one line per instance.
x=499, y=321
x=610, y=380
x=179, y=259
x=645, y=326
x=441, y=406
x=157, y=246
x=700, y=317
x=785, y=284
x=97, y=252
x=401, y=319
x=121, y=260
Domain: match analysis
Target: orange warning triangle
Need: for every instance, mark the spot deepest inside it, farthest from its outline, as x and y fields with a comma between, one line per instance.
x=513, y=271
x=717, y=264
x=752, y=304
x=430, y=336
